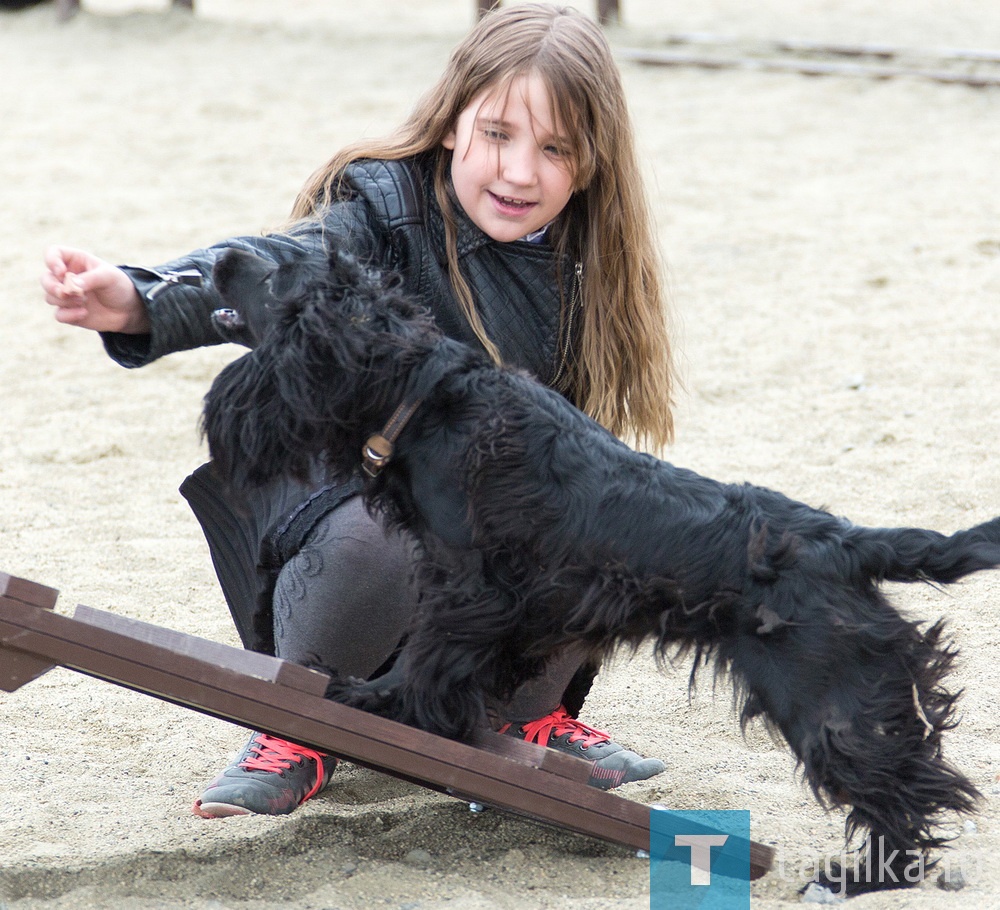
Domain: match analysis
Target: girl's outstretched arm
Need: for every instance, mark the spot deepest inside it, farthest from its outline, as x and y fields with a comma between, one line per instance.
x=91, y=293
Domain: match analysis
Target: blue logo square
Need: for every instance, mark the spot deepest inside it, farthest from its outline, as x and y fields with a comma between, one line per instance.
x=699, y=860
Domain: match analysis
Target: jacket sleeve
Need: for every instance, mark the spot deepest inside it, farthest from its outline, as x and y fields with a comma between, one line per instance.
x=180, y=295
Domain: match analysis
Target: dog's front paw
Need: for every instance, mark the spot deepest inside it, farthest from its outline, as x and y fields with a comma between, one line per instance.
x=340, y=687
x=377, y=696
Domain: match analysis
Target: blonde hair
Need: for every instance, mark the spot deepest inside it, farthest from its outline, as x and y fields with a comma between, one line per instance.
x=622, y=374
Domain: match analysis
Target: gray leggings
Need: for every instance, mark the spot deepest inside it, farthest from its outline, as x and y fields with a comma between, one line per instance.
x=344, y=598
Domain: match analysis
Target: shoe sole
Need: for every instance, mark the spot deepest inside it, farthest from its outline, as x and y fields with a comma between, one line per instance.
x=218, y=810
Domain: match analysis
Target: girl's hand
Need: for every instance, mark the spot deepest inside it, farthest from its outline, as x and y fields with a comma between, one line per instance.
x=91, y=293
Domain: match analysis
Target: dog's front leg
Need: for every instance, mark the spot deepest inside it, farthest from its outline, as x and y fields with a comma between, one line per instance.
x=430, y=686
x=442, y=690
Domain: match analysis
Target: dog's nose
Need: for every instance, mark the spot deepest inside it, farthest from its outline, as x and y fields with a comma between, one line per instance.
x=228, y=318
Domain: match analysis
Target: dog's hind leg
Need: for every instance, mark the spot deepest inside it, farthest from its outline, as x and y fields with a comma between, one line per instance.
x=862, y=707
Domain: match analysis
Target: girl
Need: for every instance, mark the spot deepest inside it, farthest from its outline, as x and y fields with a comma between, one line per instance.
x=510, y=204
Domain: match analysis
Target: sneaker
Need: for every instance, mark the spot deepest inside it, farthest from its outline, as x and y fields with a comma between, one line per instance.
x=271, y=776
x=612, y=764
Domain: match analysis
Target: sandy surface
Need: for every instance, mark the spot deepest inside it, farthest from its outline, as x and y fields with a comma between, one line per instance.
x=834, y=251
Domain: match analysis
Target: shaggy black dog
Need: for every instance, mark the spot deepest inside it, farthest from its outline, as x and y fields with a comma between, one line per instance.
x=538, y=528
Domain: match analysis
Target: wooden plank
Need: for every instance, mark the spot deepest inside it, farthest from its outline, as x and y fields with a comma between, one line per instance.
x=534, y=756
x=834, y=49
x=804, y=67
x=206, y=676
x=29, y=592
x=261, y=666
x=368, y=740
x=18, y=668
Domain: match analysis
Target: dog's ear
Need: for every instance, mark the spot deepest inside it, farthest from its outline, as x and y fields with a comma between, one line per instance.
x=243, y=422
x=289, y=279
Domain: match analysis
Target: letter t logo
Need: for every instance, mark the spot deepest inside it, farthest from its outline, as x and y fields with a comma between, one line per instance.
x=701, y=854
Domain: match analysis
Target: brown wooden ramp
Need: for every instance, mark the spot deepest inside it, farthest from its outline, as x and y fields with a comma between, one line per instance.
x=286, y=700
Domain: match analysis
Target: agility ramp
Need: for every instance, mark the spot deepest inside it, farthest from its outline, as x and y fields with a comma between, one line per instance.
x=286, y=700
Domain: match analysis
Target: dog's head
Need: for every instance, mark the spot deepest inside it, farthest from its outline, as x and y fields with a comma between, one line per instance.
x=334, y=349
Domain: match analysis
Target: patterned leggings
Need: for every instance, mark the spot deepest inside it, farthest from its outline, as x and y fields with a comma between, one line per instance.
x=344, y=598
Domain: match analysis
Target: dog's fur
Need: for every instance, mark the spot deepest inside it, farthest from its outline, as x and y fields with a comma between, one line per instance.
x=538, y=528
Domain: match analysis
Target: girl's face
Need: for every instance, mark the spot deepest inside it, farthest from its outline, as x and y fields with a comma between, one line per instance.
x=511, y=167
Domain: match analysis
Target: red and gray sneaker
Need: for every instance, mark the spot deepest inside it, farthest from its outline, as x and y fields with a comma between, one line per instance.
x=612, y=764
x=270, y=776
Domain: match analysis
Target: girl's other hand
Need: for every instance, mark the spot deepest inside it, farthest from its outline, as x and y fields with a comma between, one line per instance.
x=91, y=293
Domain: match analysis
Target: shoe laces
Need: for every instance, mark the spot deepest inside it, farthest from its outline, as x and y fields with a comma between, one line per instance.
x=268, y=753
x=559, y=723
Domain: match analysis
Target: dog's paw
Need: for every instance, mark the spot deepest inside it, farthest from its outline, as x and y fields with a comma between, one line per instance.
x=339, y=686
x=891, y=871
x=815, y=893
x=377, y=696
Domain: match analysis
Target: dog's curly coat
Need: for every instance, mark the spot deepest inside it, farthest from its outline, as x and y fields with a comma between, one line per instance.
x=537, y=528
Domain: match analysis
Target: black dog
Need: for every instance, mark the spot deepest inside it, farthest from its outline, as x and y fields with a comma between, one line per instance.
x=538, y=528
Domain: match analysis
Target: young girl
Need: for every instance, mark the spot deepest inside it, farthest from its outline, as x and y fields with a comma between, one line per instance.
x=510, y=204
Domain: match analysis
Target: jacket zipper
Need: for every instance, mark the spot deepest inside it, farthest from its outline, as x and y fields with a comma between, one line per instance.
x=568, y=335
x=191, y=277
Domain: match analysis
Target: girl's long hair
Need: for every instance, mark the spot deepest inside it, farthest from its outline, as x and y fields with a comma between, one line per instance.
x=622, y=373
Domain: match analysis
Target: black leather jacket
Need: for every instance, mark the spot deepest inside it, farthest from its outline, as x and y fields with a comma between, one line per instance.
x=528, y=302
x=526, y=298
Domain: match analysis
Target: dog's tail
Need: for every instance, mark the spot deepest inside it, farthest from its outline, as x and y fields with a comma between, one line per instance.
x=914, y=554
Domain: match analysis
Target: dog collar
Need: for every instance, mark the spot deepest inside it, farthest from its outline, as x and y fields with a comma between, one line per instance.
x=377, y=451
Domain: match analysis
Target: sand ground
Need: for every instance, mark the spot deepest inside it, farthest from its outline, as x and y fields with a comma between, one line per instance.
x=834, y=254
